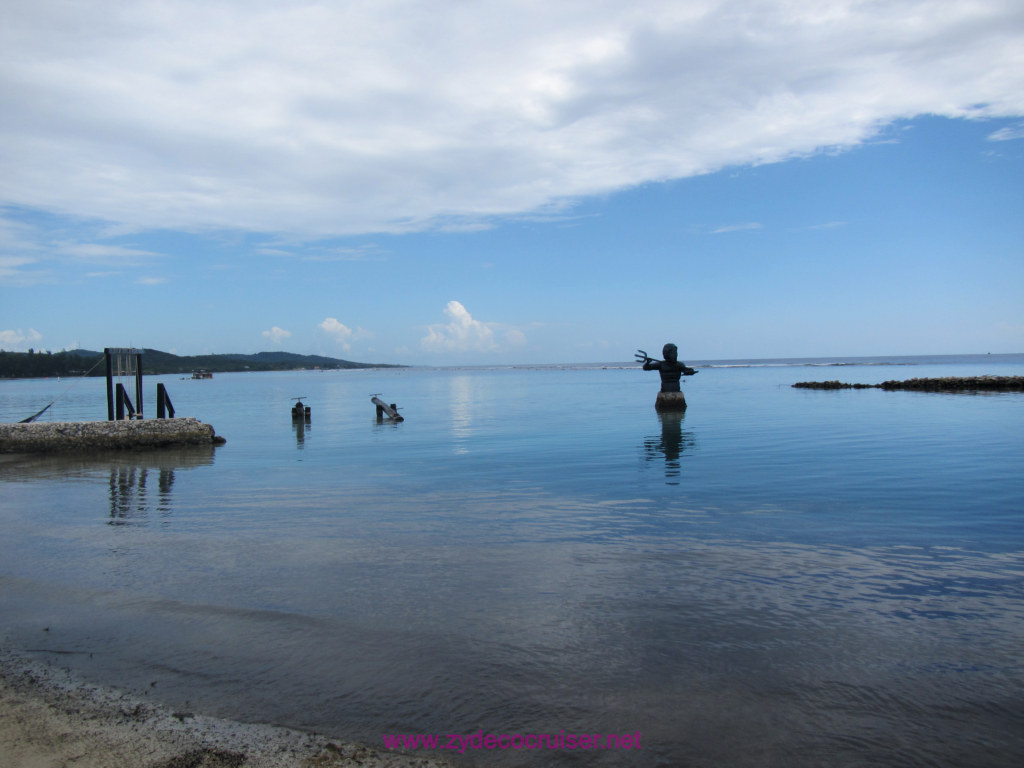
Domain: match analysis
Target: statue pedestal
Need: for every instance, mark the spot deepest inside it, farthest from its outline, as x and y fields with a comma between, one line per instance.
x=670, y=401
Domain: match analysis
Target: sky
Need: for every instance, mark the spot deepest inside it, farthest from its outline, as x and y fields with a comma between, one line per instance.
x=513, y=181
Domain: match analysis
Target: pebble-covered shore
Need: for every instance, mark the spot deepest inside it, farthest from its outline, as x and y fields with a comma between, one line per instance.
x=48, y=718
x=65, y=436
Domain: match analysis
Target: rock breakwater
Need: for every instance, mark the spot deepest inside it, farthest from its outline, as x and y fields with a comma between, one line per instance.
x=945, y=384
x=67, y=436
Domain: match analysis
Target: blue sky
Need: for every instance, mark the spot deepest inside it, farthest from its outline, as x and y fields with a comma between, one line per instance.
x=513, y=182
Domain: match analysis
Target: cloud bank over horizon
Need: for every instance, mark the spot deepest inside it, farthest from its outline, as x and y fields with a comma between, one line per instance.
x=462, y=333
x=318, y=120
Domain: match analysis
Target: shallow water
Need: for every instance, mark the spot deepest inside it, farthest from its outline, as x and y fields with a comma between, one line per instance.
x=781, y=577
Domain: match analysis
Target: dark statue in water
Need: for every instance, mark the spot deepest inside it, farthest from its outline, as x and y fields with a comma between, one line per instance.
x=670, y=398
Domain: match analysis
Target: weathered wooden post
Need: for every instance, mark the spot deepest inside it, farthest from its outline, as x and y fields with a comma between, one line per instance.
x=110, y=384
x=116, y=400
x=124, y=403
x=138, y=384
x=164, y=407
x=383, y=408
x=301, y=412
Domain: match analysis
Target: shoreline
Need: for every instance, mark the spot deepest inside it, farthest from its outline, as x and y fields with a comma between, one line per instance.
x=49, y=718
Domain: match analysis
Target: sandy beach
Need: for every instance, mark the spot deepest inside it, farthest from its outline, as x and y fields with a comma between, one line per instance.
x=50, y=720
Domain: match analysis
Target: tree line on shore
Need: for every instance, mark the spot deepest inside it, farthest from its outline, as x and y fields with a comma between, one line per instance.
x=79, y=362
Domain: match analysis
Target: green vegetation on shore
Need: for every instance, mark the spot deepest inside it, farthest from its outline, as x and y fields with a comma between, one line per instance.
x=947, y=384
x=78, y=362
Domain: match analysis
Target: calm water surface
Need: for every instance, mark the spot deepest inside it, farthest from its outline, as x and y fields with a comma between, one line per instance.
x=781, y=577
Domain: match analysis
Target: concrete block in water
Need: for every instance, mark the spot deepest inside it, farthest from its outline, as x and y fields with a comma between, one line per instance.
x=59, y=436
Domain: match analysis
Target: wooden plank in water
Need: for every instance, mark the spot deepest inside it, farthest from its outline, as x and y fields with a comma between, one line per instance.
x=384, y=408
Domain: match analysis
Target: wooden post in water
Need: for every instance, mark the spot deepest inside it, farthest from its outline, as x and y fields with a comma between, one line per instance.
x=164, y=407
x=384, y=408
x=110, y=384
x=138, y=384
x=124, y=403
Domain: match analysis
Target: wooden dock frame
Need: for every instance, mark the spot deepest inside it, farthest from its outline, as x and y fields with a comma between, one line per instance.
x=116, y=405
x=119, y=404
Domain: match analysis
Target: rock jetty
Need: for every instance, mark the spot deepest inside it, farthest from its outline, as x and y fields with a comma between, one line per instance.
x=946, y=384
x=64, y=436
x=831, y=385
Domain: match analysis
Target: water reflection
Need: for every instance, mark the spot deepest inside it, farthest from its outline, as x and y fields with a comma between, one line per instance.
x=129, y=493
x=669, y=445
x=462, y=413
x=62, y=466
x=301, y=427
x=139, y=483
x=300, y=421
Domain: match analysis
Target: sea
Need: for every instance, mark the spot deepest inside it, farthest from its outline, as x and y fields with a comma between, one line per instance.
x=778, y=577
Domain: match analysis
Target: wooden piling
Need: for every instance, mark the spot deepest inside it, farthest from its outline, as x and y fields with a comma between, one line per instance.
x=383, y=408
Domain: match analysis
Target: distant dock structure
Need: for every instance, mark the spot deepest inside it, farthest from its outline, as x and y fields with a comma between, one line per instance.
x=125, y=427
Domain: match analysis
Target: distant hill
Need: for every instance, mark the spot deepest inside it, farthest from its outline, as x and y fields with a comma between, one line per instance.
x=76, y=362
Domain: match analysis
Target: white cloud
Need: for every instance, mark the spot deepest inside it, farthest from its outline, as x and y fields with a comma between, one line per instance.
x=35, y=249
x=305, y=251
x=1008, y=134
x=19, y=341
x=11, y=268
x=342, y=333
x=322, y=118
x=151, y=280
x=105, y=254
x=276, y=335
x=18, y=253
x=515, y=337
x=460, y=334
x=335, y=328
x=737, y=228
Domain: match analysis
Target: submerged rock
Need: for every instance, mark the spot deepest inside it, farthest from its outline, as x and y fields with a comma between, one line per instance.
x=960, y=384
x=831, y=385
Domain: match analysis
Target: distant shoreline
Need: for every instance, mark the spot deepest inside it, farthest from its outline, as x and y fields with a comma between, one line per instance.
x=79, y=362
